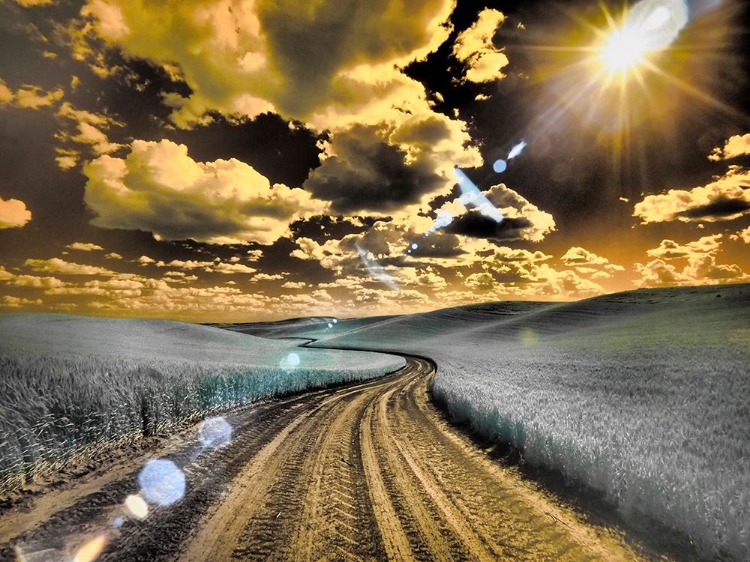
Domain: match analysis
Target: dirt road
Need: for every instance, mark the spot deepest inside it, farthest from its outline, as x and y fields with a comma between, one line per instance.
x=364, y=472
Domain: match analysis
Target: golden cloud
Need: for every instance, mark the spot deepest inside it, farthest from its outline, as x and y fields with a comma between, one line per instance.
x=160, y=189
x=737, y=145
x=474, y=47
x=60, y=266
x=726, y=198
x=13, y=213
x=701, y=264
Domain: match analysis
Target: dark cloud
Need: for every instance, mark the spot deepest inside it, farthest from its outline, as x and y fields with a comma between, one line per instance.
x=365, y=173
x=476, y=225
x=323, y=228
x=439, y=246
x=721, y=207
x=282, y=153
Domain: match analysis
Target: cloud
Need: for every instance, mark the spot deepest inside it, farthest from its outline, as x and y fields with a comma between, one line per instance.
x=13, y=213
x=17, y=302
x=474, y=47
x=726, y=198
x=29, y=96
x=577, y=256
x=737, y=145
x=30, y=3
x=365, y=169
x=84, y=246
x=700, y=259
x=294, y=285
x=334, y=67
x=6, y=94
x=36, y=282
x=522, y=219
x=158, y=188
x=84, y=128
x=251, y=57
x=743, y=235
x=670, y=250
x=480, y=282
x=60, y=266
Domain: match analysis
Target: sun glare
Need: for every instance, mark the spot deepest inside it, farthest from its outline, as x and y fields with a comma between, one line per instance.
x=623, y=50
x=651, y=25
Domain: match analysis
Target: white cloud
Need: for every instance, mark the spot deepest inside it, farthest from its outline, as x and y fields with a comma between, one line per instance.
x=160, y=189
x=474, y=48
x=84, y=246
x=577, y=256
x=17, y=302
x=34, y=97
x=700, y=264
x=13, y=213
x=30, y=3
x=294, y=285
x=737, y=145
x=88, y=130
x=36, y=282
x=60, y=266
x=726, y=198
x=743, y=235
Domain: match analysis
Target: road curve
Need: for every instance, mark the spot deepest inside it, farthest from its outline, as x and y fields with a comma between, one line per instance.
x=363, y=472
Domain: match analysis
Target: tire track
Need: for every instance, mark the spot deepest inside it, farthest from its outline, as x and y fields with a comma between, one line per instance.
x=369, y=471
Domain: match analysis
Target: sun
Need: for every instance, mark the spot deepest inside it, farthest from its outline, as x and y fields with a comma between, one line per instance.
x=650, y=26
x=623, y=51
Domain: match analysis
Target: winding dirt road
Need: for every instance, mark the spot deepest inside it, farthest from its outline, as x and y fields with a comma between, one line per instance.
x=364, y=472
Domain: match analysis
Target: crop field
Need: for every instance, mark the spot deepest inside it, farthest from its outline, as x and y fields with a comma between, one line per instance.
x=71, y=384
x=643, y=395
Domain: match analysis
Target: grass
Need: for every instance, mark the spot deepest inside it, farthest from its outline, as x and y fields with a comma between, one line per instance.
x=73, y=384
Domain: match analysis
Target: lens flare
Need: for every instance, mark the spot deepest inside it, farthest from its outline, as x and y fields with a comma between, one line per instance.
x=136, y=507
x=216, y=432
x=444, y=218
x=517, y=150
x=162, y=483
x=471, y=196
x=500, y=166
x=91, y=550
x=375, y=269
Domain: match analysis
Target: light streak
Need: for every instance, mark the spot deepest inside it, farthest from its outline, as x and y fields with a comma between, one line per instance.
x=375, y=269
x=471, y=196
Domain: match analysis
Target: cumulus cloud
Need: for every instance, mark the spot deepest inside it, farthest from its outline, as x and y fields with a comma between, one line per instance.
x=577, y=256
x=384, y=167
x=60, y=266
x=249, y=57
x=726, y=198
x=13, y=213
x=522, y=219
x=160, y=189
x=694, y=263
x=84, y=246
x=243, y=58
x=29, y=96
x=17, y=302
x=743, y=235
x=480, y=281
x=30, y=3
x=737, y=145
x=475, y=48
x=81, y=127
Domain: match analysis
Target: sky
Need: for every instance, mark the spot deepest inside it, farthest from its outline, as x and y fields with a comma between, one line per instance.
x=251, y=160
